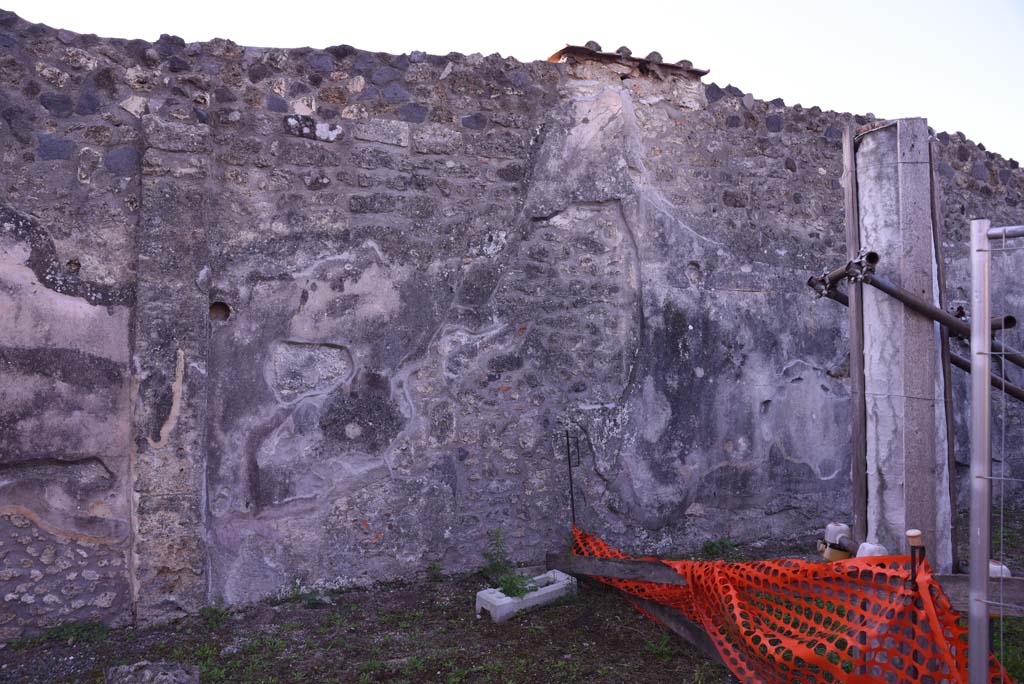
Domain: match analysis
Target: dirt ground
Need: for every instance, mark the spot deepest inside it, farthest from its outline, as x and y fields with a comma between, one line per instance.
x=423, y=631
x=418, y=631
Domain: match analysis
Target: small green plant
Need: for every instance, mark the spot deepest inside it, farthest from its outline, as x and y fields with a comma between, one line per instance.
x=309, y=599
x=500, y=569
x=72, y=632
x=664, y=649
x=722, y=549
x=434, y=572
x=214, y=617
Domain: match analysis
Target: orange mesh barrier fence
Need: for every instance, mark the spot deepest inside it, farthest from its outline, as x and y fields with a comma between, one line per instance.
x=857, y=621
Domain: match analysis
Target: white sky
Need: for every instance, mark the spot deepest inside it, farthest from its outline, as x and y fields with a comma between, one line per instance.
x=959, y=63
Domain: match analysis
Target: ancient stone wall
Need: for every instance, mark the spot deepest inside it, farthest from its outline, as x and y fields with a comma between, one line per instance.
x=323, y=315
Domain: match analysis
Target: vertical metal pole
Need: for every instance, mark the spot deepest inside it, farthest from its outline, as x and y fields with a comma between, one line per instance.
x=858, y=426
x=981, y=456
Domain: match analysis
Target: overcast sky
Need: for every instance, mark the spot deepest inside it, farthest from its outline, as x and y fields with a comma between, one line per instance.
x=961, y=64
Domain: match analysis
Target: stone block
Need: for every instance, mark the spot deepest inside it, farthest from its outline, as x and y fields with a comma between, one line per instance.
x=383, y=131
x=436, y=139
x=174, y=136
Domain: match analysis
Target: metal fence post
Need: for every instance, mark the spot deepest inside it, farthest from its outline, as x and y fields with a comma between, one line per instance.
x=981, y=456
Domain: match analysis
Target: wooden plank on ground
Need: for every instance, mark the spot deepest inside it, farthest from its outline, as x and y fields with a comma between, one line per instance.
x=618, y=568
x=958, y=592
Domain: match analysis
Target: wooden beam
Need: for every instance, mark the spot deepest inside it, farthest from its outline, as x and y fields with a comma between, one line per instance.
x=858, y=429
x=644, y=571
x=616, y=568
x=955, y=586
x=958, y=592
x=690, y=632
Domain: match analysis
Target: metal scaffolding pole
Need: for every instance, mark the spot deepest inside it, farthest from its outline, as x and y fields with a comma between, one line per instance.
x=981, y=456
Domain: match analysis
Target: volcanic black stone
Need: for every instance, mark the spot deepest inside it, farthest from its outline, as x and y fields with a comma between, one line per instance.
x=413, y=112
x=224, y=94
x=88, y=103
x=258, y=72
x=51, y=147
x=476, y=121
x=773, y=123
x=177, y=64
x=385, y=75
x=713, y=93
x=321, y=61
x=122, y=161
x=57, y=104
x=395, y=93
x=733, y=199
x=20, y=123
x=167, y=45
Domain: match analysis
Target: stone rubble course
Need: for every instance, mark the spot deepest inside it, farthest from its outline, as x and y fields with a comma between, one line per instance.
x=425, y=268
x=145, y=672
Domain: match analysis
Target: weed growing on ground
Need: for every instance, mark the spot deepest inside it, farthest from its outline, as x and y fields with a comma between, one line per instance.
x=500, y=569
x=434, y=572
x=72, y=632
x=664, y=649
x=310, y=598
x=722, y=549
x=214, y=617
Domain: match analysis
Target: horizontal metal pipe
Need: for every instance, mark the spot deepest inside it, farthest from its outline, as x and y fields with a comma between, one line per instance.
x=997, y=382
x=960, y=362
x=1003, y=322
x=1000, y=232
x=936, y=314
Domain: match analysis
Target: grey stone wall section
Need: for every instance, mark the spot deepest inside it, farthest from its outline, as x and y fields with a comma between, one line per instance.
x=66, y=294
x=907, y=474
x=169, y=370
x=432, y=265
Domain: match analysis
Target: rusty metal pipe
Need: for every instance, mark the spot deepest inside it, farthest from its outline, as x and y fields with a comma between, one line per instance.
x=837, y=275
x=1003, y=322
x=936, y=314
x=960, y=362
x=997, y=382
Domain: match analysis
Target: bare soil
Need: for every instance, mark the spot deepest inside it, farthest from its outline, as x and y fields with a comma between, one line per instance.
x=422, y=631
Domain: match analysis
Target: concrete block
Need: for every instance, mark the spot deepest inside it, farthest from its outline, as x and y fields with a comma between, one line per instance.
x=551, y=586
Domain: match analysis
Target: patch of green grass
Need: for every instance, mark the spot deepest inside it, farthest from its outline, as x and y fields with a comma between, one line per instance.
x=722, y=549
x=309, y=598
x=332, y=622
x=500, y=569
x=434, y=572
x=414, y=665
x=264, y=644
x=214, y=617
x=71, y=632
x=665, y=649
x=1012, y=646
x=707, y=671
x=368, y=671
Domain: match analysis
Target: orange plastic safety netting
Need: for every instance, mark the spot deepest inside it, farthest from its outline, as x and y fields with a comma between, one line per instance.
x=857, y=621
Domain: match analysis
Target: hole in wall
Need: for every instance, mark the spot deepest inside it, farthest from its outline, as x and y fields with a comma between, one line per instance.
x=219, y=311
x=73, y=266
